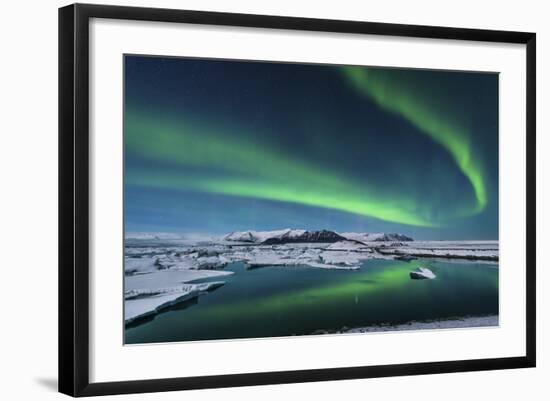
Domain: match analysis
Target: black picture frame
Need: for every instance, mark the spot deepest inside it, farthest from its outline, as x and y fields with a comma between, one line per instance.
x=74, y=198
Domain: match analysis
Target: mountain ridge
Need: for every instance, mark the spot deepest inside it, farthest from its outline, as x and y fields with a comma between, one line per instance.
x=288, y=235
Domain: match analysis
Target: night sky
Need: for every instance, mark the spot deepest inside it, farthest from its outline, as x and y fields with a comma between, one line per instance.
x=215, y=146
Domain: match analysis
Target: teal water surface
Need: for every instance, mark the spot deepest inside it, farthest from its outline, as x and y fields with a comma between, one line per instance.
x=284, y=301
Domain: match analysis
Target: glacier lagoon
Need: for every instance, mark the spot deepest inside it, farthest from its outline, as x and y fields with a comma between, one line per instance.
x=272, y=301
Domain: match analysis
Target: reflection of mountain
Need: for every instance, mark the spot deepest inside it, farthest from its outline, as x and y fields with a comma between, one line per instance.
x=288, y=236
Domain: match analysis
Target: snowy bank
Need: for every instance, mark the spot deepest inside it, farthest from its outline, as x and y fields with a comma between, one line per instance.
x=465, y=322
x=467, y=250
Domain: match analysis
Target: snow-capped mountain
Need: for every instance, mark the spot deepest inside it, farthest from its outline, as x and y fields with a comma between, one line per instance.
x=285, y=236
x=376, y=237
x=261, y=236
x=152, y=235
x=288, y=235
x=323, y=236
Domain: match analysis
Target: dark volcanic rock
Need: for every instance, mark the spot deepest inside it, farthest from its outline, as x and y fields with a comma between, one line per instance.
x=309, y=236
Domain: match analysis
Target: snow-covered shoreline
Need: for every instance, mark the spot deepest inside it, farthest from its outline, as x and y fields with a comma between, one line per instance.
x=468, y=250
x=465, y=322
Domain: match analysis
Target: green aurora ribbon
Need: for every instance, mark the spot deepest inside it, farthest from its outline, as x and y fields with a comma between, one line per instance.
x=231, y=165
x=391, y=92
x=241, y=168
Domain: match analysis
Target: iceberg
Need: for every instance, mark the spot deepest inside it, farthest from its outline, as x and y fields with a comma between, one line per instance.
x=422, y=273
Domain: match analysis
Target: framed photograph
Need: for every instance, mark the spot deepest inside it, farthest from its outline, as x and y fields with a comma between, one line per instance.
x=249, y=199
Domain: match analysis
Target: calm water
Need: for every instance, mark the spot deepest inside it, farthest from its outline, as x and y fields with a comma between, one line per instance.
x=283, y=301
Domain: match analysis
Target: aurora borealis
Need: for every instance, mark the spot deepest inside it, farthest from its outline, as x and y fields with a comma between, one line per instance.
x=391, y=92
x=214, y=146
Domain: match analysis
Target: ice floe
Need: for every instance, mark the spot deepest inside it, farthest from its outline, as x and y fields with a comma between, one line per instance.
x=140, y=303
x=451, y=323
x=422, y=273
x=468, y=250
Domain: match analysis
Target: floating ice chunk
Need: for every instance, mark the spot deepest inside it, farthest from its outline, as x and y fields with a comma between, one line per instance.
x=342, y=258
x=331, y=266
x=296, y=258
x=348, y=246
x=168, y=278
x=184, y=263
x=466, y=250
x=212, y=263
x=422, y=273
x=139, y=265
x=145, y=302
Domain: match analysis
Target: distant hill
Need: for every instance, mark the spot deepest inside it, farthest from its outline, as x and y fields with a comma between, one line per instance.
x=377, y=237
x=152, y=235
x=324, y=236
x=288, y=235
x=261, y=236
